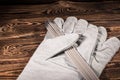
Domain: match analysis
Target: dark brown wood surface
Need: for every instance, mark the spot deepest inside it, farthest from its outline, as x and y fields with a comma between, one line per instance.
x=22, y=30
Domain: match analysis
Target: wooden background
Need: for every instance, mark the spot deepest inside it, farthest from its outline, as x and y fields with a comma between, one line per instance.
x=22, y=29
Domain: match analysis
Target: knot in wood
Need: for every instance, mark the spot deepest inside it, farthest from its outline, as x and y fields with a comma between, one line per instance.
x=11, y=50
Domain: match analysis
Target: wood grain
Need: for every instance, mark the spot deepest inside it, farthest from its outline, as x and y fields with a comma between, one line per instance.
x=22, y=30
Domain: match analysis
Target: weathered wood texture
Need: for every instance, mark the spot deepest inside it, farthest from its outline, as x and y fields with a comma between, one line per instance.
x=22, y=29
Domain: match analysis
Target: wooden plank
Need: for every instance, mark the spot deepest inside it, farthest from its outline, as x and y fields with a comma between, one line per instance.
x=22, y=30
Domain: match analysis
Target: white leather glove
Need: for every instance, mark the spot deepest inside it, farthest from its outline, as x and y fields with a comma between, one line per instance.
x=58, y=68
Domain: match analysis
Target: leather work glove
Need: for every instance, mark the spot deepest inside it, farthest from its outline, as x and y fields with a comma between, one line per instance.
x=43, y=66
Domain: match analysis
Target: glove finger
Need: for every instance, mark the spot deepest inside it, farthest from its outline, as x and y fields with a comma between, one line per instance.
x=87, y=47
x=91, y=31
x=69, y=24
x=103, y=56
x=111, y=46
x=81, y=26
x=51, y=47
x=59, y=22
x=102, y=36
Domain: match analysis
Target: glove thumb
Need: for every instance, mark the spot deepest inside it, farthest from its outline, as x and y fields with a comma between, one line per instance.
x=51, y=47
